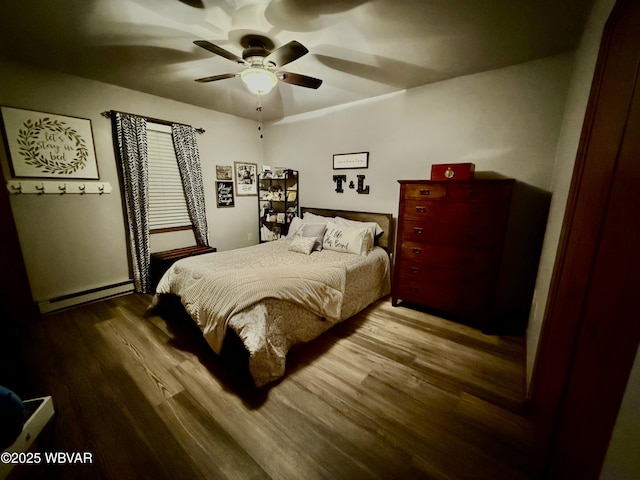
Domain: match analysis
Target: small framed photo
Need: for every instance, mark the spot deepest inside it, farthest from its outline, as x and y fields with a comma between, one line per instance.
x=343, y=161
x=224, y=172
x=246, y=179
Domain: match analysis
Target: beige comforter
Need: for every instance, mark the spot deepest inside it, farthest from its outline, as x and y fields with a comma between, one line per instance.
x=274, y=298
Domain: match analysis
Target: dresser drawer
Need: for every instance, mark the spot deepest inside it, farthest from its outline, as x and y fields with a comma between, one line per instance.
x=456, y=278
x=445, y=256
x=424, y=209
x=465, y=213
x=424, y=191
x=473, y=192
x=471, y=304
x=460, y=235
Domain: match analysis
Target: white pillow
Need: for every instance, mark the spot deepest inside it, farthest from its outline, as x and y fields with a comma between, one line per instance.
x=309, y=217
x=373, y=227
x=294, y=227
x=347, y=239
x=302, y=245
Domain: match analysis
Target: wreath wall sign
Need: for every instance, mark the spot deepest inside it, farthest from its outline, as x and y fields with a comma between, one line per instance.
x=47, y=145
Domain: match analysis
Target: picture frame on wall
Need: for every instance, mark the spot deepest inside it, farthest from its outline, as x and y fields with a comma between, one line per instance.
x=224, y=172
x=224, y=194
x=343, y=161
x=246, y=178
x=47, y=145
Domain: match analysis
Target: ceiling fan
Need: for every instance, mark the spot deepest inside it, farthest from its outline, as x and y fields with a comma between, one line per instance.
x=262, y=64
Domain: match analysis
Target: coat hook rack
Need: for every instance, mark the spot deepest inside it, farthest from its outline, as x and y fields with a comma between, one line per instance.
x=50, y=186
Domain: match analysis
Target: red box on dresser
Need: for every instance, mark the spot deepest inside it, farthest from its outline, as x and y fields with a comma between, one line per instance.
x=452, y=171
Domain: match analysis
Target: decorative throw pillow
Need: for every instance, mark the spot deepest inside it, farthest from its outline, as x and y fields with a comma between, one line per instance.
x=316, y=231
x=375, y=229
x=347, y=239
x=302, y=245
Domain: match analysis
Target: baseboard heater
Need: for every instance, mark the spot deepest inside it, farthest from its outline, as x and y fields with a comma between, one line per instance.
x=78, y=298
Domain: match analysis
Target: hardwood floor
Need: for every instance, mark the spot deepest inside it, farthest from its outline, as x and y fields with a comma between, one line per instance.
x=390, y=393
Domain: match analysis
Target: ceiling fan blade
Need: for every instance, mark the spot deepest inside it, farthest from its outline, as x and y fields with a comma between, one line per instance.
x=300, y=80
x=219, y=51
x=216, y=77
x=286, y=54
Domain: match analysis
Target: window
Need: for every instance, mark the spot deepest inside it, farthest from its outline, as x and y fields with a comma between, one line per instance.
x=167, y=204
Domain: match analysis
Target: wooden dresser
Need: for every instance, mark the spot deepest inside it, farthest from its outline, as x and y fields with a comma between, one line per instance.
x=450, y=244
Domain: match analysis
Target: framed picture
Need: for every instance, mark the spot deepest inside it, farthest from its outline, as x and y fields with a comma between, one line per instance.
x=45, y=145
x=350, y=160
x=224, y=172
x=246, y=178
x=224, y=194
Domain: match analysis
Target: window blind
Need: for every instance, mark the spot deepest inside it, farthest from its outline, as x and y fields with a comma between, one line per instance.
x=167, y=204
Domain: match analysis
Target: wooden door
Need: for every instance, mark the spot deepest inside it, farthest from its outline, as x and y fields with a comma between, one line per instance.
x=592, y=326
x=16, y=303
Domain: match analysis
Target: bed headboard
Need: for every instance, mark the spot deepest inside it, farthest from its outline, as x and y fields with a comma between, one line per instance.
x=385, y=220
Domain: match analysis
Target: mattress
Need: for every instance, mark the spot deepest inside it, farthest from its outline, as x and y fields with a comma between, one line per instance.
x=274, y=298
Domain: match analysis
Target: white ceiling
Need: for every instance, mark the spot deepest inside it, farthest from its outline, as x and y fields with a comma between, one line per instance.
x=360, y=48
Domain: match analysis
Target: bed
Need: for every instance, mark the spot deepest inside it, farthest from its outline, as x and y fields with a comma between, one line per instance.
x=276, y=295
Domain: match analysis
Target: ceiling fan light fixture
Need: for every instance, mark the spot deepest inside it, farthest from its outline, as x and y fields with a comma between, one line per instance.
x=259, y=81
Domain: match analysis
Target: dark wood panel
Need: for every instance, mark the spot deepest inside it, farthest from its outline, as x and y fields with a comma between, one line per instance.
x=390, y=393
x=17, y=306
x=591, y=332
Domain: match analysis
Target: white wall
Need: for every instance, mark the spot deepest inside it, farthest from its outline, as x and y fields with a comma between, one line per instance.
x=72, y=243
x=505, y=120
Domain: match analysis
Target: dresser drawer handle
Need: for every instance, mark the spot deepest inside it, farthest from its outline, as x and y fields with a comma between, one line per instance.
x=417, y=251
x=418, y=230
x=425, y=191
x=414, y=270
x=420, y=209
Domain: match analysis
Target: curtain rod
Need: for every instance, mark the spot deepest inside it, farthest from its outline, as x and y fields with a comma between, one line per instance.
x=108, y=113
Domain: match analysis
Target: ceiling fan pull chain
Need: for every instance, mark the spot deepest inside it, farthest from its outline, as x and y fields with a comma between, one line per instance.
x=259, y=110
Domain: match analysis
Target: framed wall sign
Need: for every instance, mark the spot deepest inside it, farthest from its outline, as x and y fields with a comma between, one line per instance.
x=45, y=145
x=350, y=160
x=224, y=194
x=246, y=178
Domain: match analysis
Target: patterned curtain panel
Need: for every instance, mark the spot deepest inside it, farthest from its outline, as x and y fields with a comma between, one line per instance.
x=186, y=147
x=131, y=136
